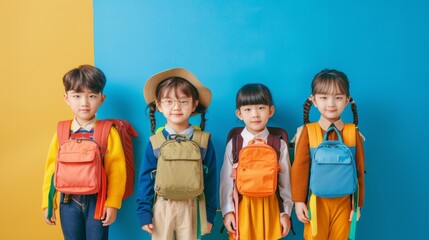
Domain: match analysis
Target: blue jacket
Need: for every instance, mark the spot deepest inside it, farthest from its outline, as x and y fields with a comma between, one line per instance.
x=145, y=194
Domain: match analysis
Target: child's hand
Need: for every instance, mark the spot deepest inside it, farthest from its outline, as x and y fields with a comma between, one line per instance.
x=358, y=214
x=285, y=222
x=109, y=216
x=229, y=222
x=53, y=220
x=148, y=228
x=209, y=227
x=302, y=212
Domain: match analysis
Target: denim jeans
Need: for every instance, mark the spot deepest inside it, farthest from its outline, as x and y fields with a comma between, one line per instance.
x=77, y=219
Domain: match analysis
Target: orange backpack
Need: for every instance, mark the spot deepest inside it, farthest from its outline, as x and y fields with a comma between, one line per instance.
x=265, y=182
x=256, y=166
x=257, y=169
x=126, y=132
x=79, y=167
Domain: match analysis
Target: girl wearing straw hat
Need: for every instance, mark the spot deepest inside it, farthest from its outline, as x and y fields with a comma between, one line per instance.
x=178, y=95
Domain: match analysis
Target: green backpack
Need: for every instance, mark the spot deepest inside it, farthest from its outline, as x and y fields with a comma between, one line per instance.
x=180, y=170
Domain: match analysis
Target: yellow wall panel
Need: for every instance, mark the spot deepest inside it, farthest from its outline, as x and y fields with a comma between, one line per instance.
x=40, y=40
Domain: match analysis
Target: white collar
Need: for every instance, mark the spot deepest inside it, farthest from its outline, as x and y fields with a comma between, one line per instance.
x=188, y=132
x=325, y=124
x=87, y=126
x=247, y=136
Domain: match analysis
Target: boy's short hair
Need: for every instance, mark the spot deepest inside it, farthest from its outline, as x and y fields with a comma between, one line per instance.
x=84, y=77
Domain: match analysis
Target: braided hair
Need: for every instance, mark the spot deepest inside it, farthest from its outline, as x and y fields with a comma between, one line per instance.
x=323, y=83
x=176, y=84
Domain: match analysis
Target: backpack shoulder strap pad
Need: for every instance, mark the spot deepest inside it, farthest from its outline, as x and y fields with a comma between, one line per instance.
x=315, y=136
x=233, y=132
x=202, y=138
x=237, y=145
x=274, y=141
x=63, y=131
x=349, y=134
x=101, y=134
x=157, y=140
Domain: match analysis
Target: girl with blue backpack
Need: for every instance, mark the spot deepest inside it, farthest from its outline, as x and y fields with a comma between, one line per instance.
x=329, y=211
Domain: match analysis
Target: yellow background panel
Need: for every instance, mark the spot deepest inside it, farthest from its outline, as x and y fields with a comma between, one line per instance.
x=40, y=41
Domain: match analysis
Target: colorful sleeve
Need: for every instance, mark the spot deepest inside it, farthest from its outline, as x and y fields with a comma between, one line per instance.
x=115, y=166
x=301, y=168
x=145, y=191
x=49, y=171
x=360, y=165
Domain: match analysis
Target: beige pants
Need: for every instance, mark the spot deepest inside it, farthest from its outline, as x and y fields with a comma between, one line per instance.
x=173, y=218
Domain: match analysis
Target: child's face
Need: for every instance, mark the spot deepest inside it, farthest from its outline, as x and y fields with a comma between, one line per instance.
x=177, y=110
x=255, y=116
x=330, y=106
x=84, y=104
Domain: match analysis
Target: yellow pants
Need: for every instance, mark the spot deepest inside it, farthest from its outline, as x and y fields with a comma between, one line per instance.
x=174, y=219
x=332, y=219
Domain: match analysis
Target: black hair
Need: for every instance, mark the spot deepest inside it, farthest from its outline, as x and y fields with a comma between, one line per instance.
x=252, y=94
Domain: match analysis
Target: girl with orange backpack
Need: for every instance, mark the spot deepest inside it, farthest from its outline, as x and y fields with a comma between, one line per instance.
x=251, y=211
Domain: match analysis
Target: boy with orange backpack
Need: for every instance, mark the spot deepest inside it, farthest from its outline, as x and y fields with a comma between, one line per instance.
x=255, y=195
x=86, y=162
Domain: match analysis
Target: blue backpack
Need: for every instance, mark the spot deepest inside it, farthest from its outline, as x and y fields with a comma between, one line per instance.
x=333, y=167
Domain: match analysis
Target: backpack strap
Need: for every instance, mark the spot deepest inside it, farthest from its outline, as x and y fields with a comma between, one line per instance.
x=202, y=227
x=349, y=134
x=315, y=136
x=63, y=134
x=202, y=139
x=355, y=200
x=157, y=140
x=237, y=144
x=101, y=135
x=63, y=131
x=274, y=141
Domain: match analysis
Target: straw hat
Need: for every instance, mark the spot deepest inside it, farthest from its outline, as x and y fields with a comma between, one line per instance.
x=149, y=90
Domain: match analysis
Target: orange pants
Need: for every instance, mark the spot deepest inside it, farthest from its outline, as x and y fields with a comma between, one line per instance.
x=332, y=219
x=259, y=219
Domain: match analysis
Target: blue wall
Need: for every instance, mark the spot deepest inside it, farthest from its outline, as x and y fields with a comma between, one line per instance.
x=381, y=45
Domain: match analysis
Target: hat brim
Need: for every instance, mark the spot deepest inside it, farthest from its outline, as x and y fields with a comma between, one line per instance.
x=149, y=90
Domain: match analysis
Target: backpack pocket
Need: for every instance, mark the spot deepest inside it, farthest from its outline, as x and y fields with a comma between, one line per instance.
x=333, y=171
x=257, y=178
x=179, y=172
x=78, y=167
